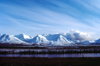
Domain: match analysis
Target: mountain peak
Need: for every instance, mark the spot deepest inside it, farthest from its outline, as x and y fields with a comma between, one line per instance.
x=4, y=38
x=39, y=35
x=22, y=37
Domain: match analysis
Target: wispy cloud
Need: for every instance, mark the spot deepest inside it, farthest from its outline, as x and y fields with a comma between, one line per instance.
x=49, y=16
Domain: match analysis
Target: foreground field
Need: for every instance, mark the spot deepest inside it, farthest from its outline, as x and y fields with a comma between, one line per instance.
x=26, y=61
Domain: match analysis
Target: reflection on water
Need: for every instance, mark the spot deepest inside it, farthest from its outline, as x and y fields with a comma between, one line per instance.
x=39, y=50
x=53, y=55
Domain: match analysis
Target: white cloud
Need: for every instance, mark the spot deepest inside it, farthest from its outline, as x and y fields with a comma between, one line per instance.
x=80, y=36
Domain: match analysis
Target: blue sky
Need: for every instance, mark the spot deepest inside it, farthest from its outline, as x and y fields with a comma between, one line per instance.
x=33, y=17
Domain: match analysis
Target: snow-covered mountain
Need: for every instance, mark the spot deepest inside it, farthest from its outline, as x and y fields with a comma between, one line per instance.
x=57, y=39
x=23, y=37
x=97, y=41
x=10, y=39
x=51, y=37
x=45, y=39
x=38, y=40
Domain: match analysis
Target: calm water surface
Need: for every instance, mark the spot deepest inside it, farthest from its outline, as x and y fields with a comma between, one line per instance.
x=53, y=55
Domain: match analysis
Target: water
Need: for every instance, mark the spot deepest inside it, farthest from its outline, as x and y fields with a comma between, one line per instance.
x=39, y=50
x=18, y=50
x=53, y=55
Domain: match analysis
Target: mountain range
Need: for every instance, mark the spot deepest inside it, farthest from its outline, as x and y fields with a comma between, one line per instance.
x=45, y=39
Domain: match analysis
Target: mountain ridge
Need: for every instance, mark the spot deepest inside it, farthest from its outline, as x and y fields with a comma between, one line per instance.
x=51, y=39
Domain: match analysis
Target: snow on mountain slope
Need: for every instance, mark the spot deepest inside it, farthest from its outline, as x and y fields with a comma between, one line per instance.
x=23, y=37
x=51, y=37
x=10, y=39
x=39, y=39
x=57, y=39
x=97, y=41
x=0, y=34
x=61, y=40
